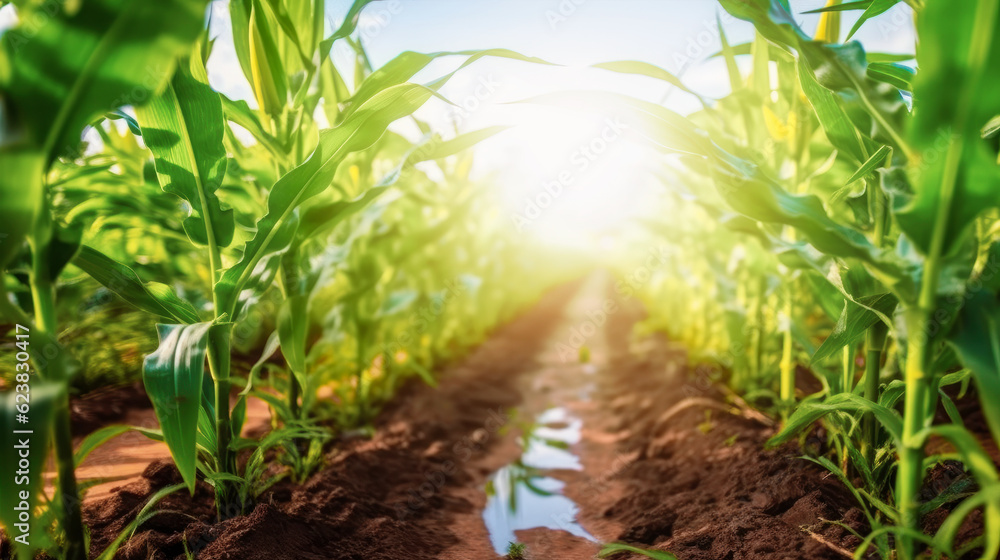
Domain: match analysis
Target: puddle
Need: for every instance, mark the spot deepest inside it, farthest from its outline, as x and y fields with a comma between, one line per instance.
x=520, y=495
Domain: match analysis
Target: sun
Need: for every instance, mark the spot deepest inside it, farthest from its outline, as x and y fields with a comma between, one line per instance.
x=575, y=178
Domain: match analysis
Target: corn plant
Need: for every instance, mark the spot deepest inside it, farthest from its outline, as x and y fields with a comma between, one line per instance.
x=46, y=107
x=868, y=205
x=290, y=187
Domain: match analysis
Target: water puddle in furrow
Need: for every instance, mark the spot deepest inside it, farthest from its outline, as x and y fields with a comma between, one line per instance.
x=520, y=495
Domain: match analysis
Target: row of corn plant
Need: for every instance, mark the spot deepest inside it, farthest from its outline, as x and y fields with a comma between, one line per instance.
x=294, y=220
x=45, y=108
x=847, y=207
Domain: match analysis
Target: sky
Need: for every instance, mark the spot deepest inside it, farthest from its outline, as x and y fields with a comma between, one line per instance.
x=565, y=175
x=609, y=179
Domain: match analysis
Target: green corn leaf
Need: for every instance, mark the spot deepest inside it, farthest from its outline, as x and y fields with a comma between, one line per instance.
x=650, y=70
x=435, y=148
x=958, y=176
x=49, y=104
x=770, y=17
x=293, y=326
x=110, y=53
x=809, y=412
x=875, y=7
x=987, y=497
x=333, y=90
x=240, y=113
x=268, y=77
x=974, y=338
x=397, y=302
x=854, y=322
x=729, y=53
x=144, y=515
x=748, y=191
x=893, y=74
x=832, y=116
x=992, y=128
x=239, y=17
x=346, y=28
x=846, y=6
x=405, y=65
x=96, y=439
x=613, y=549
x=861, y=288
x=184, y=127
x=239, y=412
x=119, y=115
x=425, y=374
x=173, y=376
x=17, y=502
x=152, y=297
x=874, y=57
x=356, y=133
x=873, y=163
x=278, y=10
x=322, y=218
x=22, y=191
x=836, y=67
x=974, y=457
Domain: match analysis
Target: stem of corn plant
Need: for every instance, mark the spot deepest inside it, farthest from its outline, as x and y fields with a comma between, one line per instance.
x=846, y=386
x=921, y=398
x=787, y=365
x=847, y=363
x=875, y=337
x=219, y=359
x=219, y=344
x=757, y=329
x=44, y=297
x=289, y=284
x=359, y=397
x=787, y=361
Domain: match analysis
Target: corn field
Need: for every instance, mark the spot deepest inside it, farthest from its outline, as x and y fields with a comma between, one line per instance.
x=754, y=316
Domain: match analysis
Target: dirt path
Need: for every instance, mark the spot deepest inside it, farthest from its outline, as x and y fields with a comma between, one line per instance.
x=664, y=460
x=675, y=464
x=617, y=449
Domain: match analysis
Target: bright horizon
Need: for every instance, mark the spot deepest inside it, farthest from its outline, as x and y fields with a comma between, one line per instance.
x=606, y=189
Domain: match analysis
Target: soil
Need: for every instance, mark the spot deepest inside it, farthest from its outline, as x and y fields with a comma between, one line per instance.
x=669, y=462
x=695, y=479
x=391, y=497
x=99, y=408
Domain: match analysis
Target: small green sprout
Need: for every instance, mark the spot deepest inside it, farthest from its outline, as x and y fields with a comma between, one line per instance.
x=516, y=550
